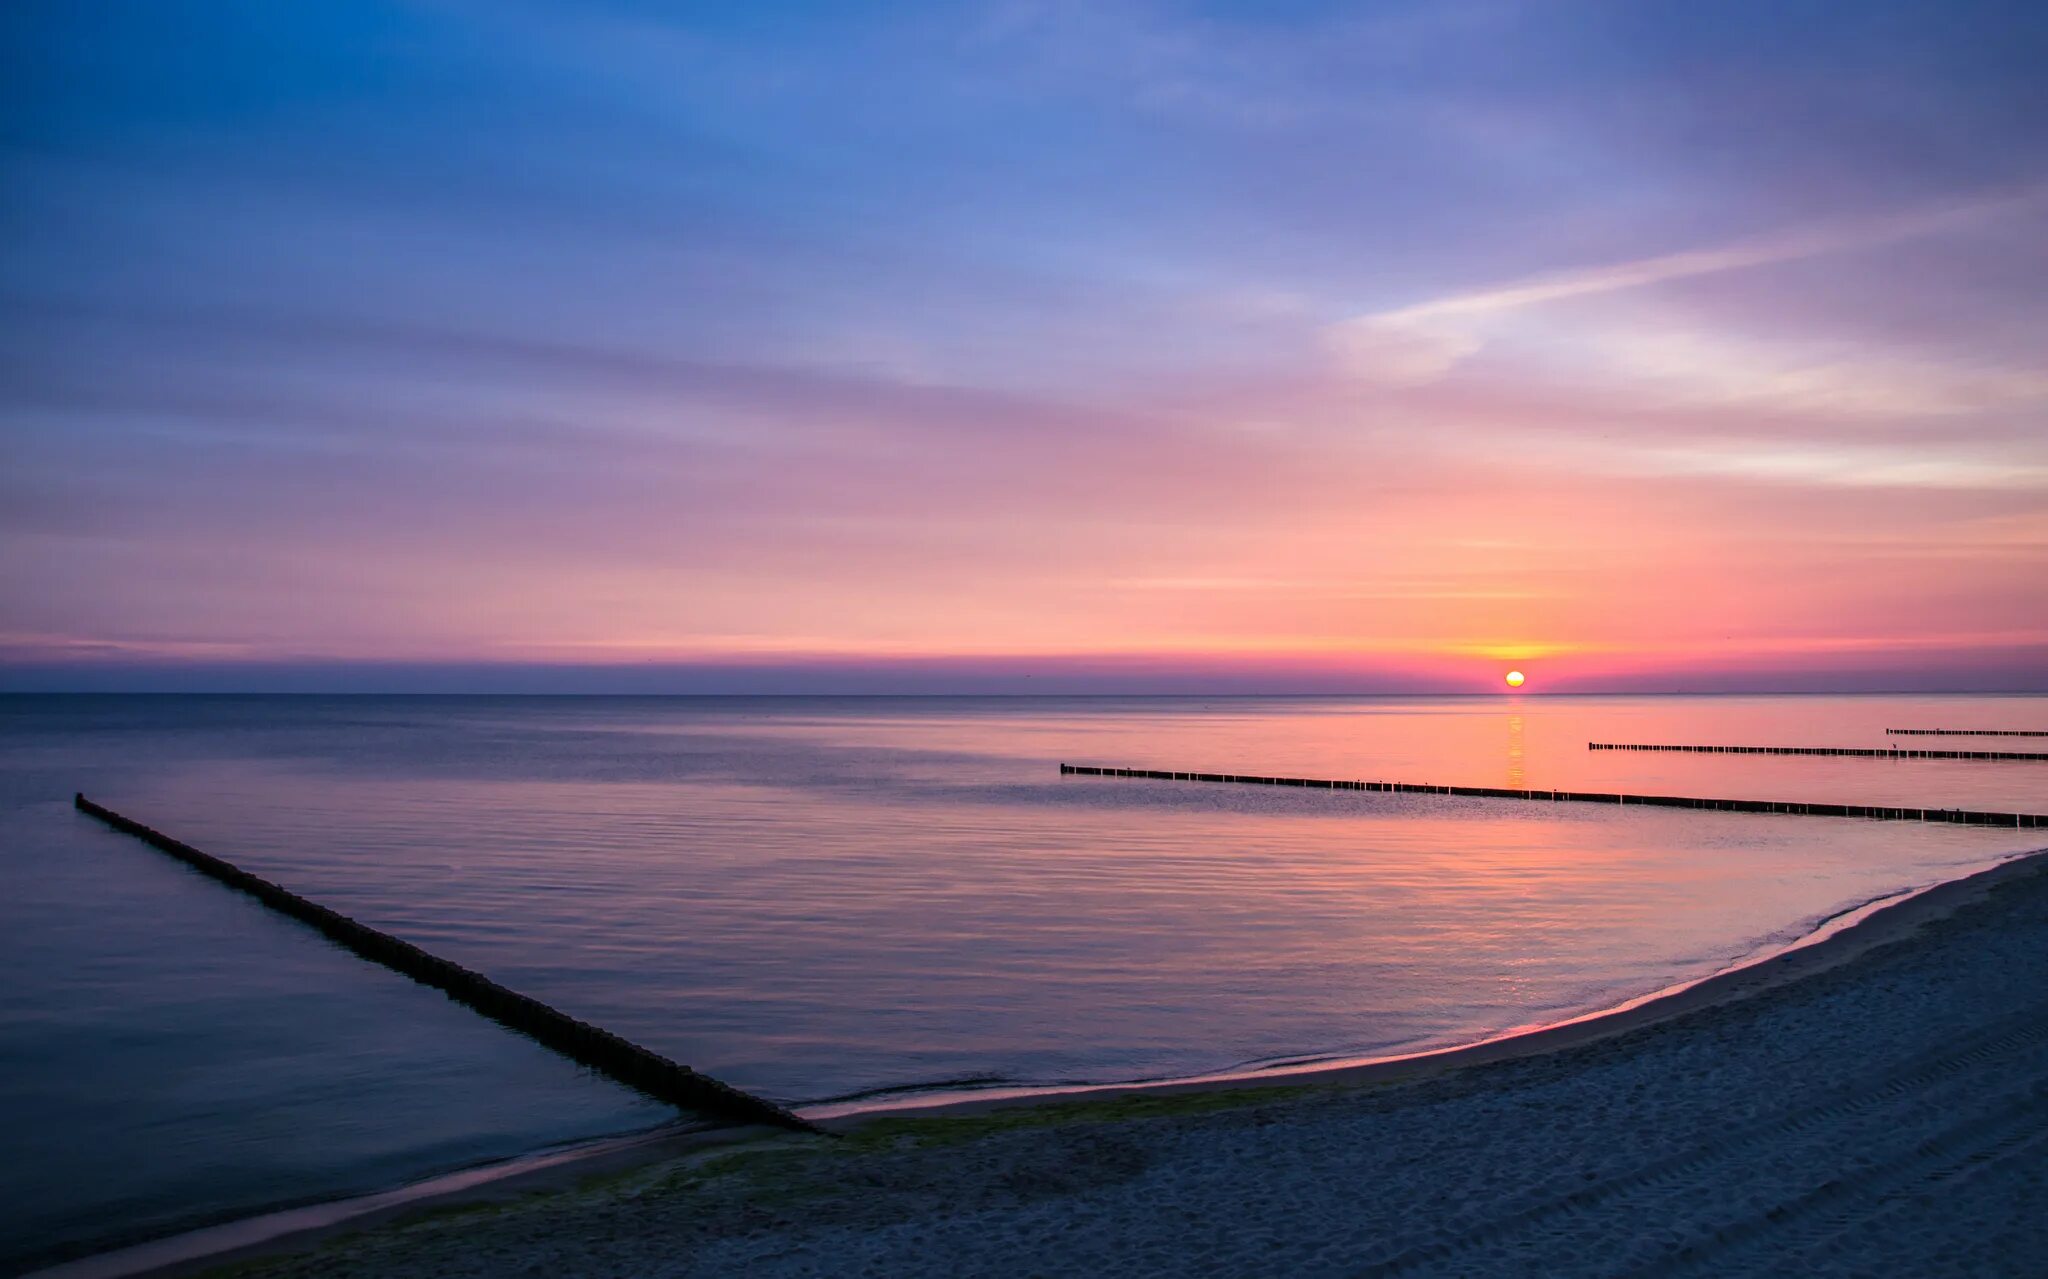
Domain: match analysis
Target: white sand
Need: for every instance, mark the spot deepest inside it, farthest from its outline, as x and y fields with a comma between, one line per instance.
x=1878, y=1105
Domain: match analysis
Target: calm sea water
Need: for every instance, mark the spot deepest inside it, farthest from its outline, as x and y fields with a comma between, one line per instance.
x=817, y=898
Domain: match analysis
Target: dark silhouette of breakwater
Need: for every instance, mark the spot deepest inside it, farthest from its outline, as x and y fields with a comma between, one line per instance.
x=1875, y=752
x=1968, y=732
x=1968, y=817
x=587, y=1045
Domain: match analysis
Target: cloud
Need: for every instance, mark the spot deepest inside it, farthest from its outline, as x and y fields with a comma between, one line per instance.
x=1691, y=365
x=1426, y=340
x=1806, y=465
x=1396, y=351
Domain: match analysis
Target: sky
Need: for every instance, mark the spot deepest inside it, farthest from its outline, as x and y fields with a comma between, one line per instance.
x=1096, y=346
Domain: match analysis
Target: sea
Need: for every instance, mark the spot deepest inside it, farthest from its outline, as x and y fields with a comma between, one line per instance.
x=846, y=901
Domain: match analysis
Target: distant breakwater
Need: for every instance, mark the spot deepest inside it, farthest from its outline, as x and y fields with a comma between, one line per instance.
x=1967, y=732
x=600, y=1050
x=1874, y=752
x=1969, y=817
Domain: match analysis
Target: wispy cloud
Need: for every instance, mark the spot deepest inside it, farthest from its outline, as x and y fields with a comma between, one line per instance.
x=1815, y=379
x=1805, y=464
x=1425, y=340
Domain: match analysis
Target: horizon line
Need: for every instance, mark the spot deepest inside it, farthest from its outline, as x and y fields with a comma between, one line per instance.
x=1027, y=695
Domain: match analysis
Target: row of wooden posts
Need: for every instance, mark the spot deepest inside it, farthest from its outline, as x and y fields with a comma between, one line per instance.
x=1968, y=732
x=1884, y=752
x=602, y=1051
x=1970, y=817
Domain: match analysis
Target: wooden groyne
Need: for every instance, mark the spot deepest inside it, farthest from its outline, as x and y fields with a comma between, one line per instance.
x=1964, y=816
x=1875, y=752
x=1967, y=732
x=592, y=1046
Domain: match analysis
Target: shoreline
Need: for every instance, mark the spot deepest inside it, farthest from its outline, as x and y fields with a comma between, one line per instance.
x=1833, y=943
x=282, y=1229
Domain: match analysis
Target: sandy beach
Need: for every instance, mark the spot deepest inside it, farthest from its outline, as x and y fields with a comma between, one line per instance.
x=1875, y=1103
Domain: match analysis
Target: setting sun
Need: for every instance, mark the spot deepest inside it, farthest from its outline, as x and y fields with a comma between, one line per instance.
x=1514, y=679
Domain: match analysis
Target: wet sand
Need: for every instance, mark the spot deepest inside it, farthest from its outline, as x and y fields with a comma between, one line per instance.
x=1874, y=1103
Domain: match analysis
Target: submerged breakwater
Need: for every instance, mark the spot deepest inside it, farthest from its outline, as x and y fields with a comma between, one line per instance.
x=1969, y=817
x=611, y=1055
x=1967, y=732
x=1875, y=752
